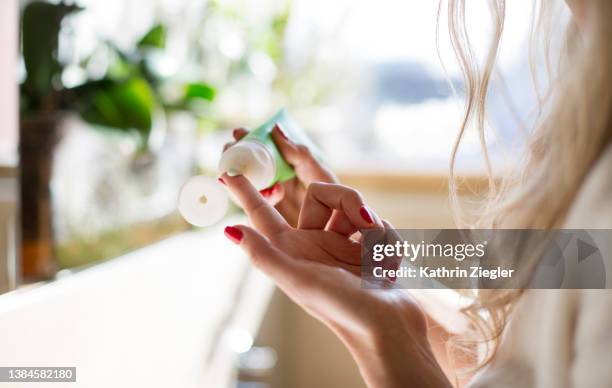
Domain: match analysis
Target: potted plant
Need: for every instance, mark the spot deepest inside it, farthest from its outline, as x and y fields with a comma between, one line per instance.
x=41, y=104
x=126, y=99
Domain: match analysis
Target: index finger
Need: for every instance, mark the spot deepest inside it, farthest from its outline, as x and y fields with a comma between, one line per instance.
x=264, y=217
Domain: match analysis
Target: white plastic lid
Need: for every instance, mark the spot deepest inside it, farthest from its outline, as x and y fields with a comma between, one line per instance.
x=203, y=201
x=252, y=159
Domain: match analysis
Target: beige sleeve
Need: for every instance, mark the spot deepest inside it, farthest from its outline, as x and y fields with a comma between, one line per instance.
x=592, y=208
x=592, y=359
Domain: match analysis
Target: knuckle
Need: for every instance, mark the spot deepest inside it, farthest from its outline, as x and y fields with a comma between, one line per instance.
x=303, y=151
x=258, y=259
x=315, y=187
x=255, y=250
x=278, y=239
x=353, y=194
x=258, y=206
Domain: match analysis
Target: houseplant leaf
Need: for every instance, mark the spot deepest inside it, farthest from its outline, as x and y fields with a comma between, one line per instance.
x=199, y=90
x=123, y=105
x=155, y=38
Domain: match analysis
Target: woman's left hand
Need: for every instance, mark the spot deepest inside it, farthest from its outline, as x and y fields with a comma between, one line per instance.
x=317, y=265
x=287, y=197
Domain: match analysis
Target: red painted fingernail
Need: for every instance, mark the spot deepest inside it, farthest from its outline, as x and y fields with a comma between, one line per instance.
x=222, y=181
x=365, y=214
x=270, y=190
x=266, y=192
x=280, y=131
x=233, y=234
x=234, y=132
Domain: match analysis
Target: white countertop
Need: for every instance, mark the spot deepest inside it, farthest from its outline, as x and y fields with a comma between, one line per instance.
x=156, y=317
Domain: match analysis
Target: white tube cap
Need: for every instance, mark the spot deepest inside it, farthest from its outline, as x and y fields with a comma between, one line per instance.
x=252, y=159
x=203, y=201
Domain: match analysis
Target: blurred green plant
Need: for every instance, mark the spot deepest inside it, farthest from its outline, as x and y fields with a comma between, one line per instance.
x=125, y=99
x=41, y=23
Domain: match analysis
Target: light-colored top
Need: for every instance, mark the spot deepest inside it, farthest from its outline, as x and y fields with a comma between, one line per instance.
x=562, y=338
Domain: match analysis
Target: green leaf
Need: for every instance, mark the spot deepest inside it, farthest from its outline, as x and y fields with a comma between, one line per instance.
x=155, y=38
x=120, y=68
x=107, y=111
x=126, y=105
x=199, y=91
x=137, y=103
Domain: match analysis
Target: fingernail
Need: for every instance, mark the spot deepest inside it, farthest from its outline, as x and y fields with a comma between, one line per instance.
x=365, y=214
x=234, y=132
x=222, y=181
x=266, y=192
x=233, y=234
x=270, y=190
x=280, y=131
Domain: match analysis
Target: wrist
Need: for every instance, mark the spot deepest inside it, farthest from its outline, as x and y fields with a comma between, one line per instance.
x=409, y=361
x=393, y=351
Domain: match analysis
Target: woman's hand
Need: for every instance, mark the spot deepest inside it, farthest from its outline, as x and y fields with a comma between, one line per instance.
x=287, y=197
x=317, y=265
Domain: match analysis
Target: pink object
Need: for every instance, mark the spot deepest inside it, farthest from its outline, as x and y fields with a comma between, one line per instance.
x=8, y=82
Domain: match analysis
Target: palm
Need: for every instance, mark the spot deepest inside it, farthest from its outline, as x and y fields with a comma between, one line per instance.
x=322, y=246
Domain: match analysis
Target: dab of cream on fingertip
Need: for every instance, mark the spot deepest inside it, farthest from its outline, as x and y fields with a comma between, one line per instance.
x=233, y=172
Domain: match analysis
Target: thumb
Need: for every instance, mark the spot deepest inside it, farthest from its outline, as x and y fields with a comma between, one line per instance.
x=284, y=271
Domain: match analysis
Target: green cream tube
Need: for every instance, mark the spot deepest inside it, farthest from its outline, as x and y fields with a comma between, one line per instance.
x=256, y=156
x=203, y=201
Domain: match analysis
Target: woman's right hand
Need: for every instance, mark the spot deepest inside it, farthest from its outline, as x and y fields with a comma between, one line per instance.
x=288, y=196
x=318, y=265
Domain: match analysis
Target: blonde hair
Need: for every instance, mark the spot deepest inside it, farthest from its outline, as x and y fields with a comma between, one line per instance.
x=573, y=129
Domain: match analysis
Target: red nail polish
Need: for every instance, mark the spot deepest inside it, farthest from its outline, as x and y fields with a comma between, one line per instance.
x=266, y=192
x=270, y=190
x=365, y=214
x=222, y=181
x=281, y=132
x=233, y=234
x=234, y=132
